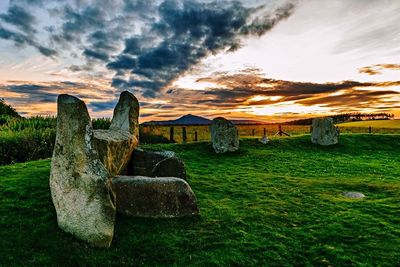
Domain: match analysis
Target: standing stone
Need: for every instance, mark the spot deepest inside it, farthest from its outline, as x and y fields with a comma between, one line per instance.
x=79, y=184
x=156, y=164
x=126, y=114
x=165, y=197
x=324, y=132
x=224, y=135
x=115, y=146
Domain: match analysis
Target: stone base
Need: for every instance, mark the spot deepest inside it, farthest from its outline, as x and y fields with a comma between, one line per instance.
x=148, y=197
x=156, y=164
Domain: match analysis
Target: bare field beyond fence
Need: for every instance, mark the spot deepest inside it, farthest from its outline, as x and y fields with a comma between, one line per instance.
x=202, y=132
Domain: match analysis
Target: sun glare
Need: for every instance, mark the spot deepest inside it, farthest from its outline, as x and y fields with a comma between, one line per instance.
x=287, y=108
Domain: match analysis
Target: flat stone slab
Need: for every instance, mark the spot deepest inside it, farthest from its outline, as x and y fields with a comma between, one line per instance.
x=149, y=197
x=353, y=194
x=115, y=148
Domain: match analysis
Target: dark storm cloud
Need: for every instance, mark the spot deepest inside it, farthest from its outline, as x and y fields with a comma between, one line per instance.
x=242, y=86
x=148, y=44
x=237, y=91
x=48, y=92
x=378, y=68
x=21, y=40
x=95, y=54
x=78, y=22
x=36, y=93
x=350, y=98
x=20, y=18
x=191, y=30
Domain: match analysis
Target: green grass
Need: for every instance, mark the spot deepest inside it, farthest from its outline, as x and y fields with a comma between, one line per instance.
x=373, y=123
x=274, y=205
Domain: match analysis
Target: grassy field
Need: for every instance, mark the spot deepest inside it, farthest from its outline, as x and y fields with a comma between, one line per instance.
x=274, y=205
x=203, y=131
x=390, y=124
x=246, y=131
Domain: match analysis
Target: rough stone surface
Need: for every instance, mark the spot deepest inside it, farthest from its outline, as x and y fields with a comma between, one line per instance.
x=79, y=184
x=115, y=146
x=324, y=132
x=165, y=197
x=353, y=194
x=264, y=140
x=156, y=164
x=115, y=149
x=126, y=114
x=224, y=136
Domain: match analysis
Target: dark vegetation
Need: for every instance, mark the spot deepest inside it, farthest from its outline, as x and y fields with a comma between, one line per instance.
x=273, y=205
x=6, y=111
x=24, y=139
x=339, y=118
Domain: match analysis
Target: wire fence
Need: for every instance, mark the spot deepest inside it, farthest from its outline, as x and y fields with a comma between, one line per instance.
x=197, y=133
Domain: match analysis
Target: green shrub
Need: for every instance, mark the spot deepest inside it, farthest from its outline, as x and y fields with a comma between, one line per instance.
x=101, y=123
x=7, y=109
x=36, y=123
x=25, y=139
x=25, y=145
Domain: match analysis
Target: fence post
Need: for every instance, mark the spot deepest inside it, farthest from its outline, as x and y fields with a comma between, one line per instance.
x=171, y=134
x=253, y=132
x=184, y=134
x=195, y=136
x=265, y=132
x=370, y=129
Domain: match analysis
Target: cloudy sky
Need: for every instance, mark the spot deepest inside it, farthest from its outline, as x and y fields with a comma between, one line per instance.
x=261, y=59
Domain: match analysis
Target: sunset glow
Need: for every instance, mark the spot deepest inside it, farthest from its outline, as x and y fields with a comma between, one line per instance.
x=279, y=61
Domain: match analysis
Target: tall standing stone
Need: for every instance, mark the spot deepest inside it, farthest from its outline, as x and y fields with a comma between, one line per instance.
x=115, y=145
x=79, y=183
x=126, y=114
x=224, y=135
x=324, y=132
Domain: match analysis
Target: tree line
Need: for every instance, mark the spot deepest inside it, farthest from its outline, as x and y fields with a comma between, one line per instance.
x=345, y=117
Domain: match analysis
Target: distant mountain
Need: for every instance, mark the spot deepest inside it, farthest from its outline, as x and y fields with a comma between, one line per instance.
x=184, y=120
x=195, y=120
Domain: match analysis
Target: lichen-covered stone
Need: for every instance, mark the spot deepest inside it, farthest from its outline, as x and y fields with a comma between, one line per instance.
x=324, y=132
x=224, y=136
x=156, y=164
x=115, y=146
x=151, y=197
x=115, y=149
x=126, y=114
x=79, y=183
x=353, y=195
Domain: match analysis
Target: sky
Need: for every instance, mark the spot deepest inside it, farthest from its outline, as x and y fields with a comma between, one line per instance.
x=267, y=60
